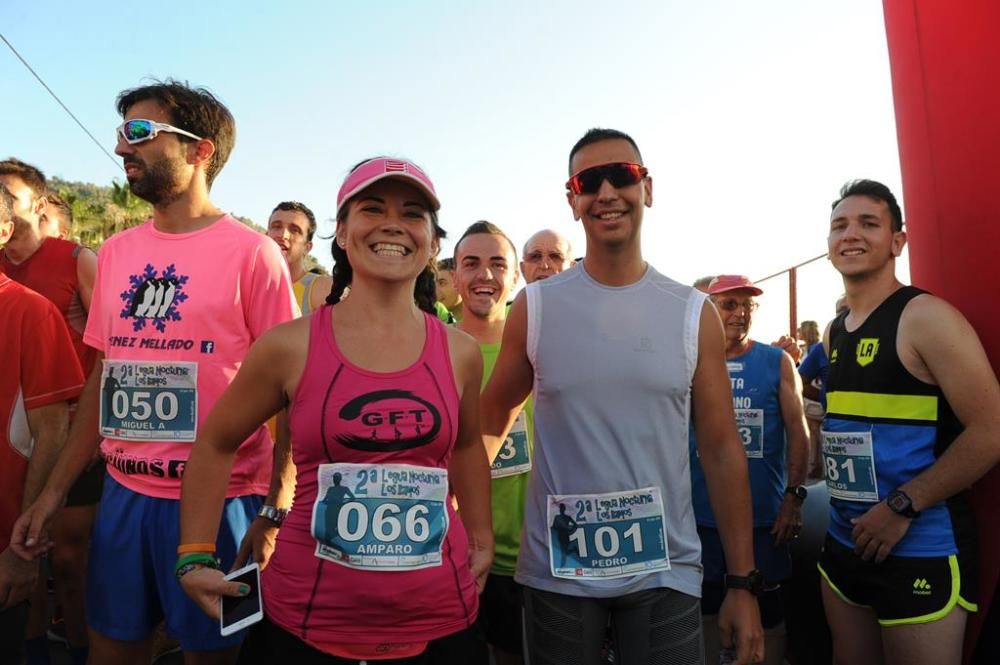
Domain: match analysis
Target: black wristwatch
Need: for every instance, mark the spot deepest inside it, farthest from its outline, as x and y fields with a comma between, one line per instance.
x=752, y=582
x=276, y=515
x=900, y=503
x=799, y=491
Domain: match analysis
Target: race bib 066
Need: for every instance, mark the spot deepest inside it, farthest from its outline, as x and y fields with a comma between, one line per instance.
x=849, y=466
x=514, y=456
x=149, y=401
x=607, y=535
x=381, y=516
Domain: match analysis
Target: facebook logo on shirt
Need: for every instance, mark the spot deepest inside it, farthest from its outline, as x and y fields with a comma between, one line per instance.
x=207, y=346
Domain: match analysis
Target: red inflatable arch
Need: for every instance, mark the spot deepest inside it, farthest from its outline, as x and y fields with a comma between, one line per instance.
x=945, y=59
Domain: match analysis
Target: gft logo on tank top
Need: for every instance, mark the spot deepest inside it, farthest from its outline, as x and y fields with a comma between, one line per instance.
x=388, y=420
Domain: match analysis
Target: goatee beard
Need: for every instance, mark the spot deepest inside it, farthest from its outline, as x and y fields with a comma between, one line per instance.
x=158, y=185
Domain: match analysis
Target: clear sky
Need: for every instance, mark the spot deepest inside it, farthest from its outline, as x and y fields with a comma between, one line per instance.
x=749, y=115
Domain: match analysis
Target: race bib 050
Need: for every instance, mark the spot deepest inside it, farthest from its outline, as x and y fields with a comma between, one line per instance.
x=149, y=401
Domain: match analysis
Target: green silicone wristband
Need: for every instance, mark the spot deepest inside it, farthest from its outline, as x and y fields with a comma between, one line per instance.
x=202, y=558
x=187, y=568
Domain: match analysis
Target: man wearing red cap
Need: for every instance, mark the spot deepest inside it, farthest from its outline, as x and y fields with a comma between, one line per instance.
x=767, y=400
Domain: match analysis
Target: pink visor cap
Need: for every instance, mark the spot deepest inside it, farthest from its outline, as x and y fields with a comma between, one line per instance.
x=379, y=168
x=724, y=283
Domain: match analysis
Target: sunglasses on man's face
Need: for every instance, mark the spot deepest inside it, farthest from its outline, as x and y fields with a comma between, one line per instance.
x=619, y=174
x=731, y=305
x=139, y=130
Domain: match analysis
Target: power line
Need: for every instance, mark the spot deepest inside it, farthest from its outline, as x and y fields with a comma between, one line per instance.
x=798, y=265
x=59, y=101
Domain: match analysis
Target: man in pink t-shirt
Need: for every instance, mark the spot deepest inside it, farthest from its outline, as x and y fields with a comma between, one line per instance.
x=177, y=304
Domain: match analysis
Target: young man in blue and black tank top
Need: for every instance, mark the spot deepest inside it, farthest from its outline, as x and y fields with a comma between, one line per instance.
x=913, y=419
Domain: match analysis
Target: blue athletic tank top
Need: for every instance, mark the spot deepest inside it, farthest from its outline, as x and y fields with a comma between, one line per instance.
x=755, y=377
x=883, y=427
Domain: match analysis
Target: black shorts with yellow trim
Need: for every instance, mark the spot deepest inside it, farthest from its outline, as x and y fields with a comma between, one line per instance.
x=901, y=590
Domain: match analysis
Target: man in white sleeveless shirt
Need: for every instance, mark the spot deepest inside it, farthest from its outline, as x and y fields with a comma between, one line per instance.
x=619, y=359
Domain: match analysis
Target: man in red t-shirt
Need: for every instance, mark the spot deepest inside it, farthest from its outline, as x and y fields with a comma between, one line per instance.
x=41, y=374
x=63, y=272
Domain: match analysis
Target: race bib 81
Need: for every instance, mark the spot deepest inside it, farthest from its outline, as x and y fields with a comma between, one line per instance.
x=849, y=466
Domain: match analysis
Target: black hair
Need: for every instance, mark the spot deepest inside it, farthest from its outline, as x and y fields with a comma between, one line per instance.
x=873, y=190
x=447, y=264
x=482, y=227
x=598, y=134
x=424, y=291
x=296, y=206
x=195, y=110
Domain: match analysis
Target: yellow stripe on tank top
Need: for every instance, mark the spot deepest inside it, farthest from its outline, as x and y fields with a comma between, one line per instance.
x=876, y=405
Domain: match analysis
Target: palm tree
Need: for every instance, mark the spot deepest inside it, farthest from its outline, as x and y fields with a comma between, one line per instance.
x=100, y=212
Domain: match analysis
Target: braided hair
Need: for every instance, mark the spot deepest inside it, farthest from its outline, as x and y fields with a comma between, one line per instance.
x=424, y=291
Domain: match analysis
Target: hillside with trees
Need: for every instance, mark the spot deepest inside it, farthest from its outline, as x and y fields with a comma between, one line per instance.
x=100, y=212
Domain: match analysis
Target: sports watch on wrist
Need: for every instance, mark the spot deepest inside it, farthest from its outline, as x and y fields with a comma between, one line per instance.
x=798, y=491
x=900, y=503
x=752, y=581
x=276, y=515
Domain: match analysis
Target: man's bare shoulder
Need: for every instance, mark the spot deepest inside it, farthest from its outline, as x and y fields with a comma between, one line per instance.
x=932, y=331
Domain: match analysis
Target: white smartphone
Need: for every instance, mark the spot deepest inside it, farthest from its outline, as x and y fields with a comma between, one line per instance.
x=238, y=612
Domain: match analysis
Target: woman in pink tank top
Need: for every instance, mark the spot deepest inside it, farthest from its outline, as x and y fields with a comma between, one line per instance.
x=372, y=562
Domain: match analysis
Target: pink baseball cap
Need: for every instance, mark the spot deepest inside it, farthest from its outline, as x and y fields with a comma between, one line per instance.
x=379, y=168
x=724, y=283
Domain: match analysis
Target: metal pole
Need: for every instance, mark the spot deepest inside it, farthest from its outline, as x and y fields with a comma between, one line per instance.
x=793, y=308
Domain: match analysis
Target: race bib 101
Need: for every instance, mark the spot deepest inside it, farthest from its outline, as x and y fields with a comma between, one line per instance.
x=849, y=466
x=380, y=516
x=149, y=401
x=607, y=535
x=514, y=457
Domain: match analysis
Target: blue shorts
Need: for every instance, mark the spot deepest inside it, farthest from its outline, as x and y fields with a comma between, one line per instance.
x=130, y=582
x=774, y=561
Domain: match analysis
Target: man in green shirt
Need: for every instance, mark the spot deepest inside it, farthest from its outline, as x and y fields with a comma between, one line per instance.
x=485, y=274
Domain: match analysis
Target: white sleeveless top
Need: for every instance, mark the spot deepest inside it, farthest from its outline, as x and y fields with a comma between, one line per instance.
x=613, y=368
